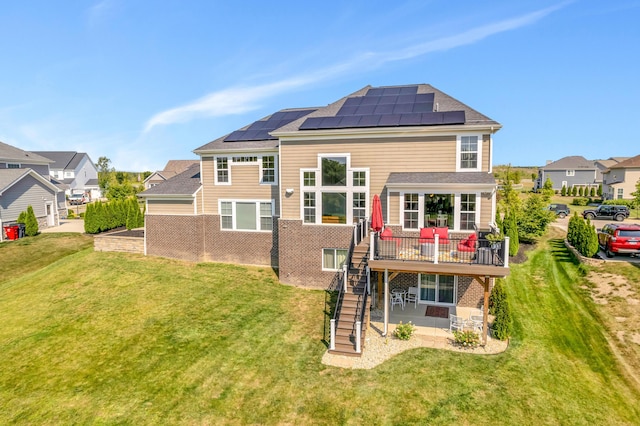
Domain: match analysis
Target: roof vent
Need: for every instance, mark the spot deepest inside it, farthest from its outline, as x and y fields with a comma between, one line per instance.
x=436, y=107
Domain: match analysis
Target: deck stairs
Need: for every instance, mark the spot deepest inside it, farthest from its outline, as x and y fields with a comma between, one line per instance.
x=352, y=304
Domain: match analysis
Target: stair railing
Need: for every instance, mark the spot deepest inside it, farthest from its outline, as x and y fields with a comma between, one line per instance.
x=341, y=290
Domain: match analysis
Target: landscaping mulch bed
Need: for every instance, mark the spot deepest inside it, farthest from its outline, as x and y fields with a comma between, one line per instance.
x=124, y=232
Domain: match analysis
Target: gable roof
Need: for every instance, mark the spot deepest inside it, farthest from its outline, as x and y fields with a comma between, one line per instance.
x=10, y=153
x=632, y=162
x=9, y=177
x=573, y=162
x=172, y=168
x=186, y=183
x=256, y=135
x=390, y=107
x=63, y=160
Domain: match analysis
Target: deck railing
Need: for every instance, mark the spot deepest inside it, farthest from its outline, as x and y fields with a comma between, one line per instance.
x=438, y=250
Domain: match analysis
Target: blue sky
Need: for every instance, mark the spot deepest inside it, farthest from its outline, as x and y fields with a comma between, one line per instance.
x=144, y=82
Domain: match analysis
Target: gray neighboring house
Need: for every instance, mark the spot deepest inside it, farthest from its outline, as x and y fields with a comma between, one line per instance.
x=74, y=172
x=569, y=172
x=24, y=182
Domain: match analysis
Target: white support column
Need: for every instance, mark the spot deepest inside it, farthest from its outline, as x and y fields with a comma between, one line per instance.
x=368, y=272
x=332, y=346
x=436, y=248
x=345, y=277
x=386, y=302
x=358, y=336
x=371, y=244
x=506, y=252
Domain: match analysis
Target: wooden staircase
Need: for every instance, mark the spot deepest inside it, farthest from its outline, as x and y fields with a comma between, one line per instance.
x=352, y=304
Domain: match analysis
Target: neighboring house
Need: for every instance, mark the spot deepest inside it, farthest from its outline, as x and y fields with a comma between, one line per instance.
x=291, y=191
x=619, y=180
x=24, y=181
x=173, y=168
x=74, y=172
x=569, y=172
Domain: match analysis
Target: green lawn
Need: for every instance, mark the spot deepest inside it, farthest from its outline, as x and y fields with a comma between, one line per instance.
x=111, y=338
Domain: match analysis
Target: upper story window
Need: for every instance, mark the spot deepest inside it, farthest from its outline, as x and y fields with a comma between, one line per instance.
x=269, y=169
x=222, y=170
x=309, y=178
x=469, y=152
x=13, y=166
x=571, y=172
x=334, y=171
x=245, y=159
x=359, y=178
x=68, y=174
x=454, y=210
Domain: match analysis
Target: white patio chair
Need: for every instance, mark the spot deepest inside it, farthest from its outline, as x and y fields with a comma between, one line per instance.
x=412, y=296
x=397, y=299
x=456, y=322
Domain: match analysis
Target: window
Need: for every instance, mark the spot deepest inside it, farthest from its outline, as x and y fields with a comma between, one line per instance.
x=333, y=259
x=68, y=174
x=246, y=215
x=309, y=179
x=467, y=211
x=468, y=152
x=222, y=170
x=411, y=211
x=438, y=210
x=309, y=207
x=245, y=159
x=268, y=169
x=571, y=172
x=334, y=171
x=359, y=206
x=437, y=288
x=620, y=193
x=13, y=166
x=359, y=178
x=334, y=207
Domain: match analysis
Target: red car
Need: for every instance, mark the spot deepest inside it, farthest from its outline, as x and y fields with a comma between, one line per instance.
x=618, y=239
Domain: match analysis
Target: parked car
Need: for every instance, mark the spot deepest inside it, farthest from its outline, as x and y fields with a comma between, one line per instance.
x=561, y=210
x=616, y=238
x=77, y=199
x=607, y=211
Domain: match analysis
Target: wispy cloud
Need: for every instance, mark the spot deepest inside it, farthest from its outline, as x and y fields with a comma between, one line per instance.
x=99, y=11
x=238, y=100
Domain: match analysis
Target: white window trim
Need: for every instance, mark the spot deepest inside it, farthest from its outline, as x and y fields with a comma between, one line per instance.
x=455, y=290
x=478, y=167
x=335, y=249
x=215, y=170
x=233, y=214
x=349, y=189
x=13, y=164
x=571, y=172
x=275, y=169
x=456, y=207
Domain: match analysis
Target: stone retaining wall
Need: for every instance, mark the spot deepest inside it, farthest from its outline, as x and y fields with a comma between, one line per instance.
x=588, y=260
x=120, y=244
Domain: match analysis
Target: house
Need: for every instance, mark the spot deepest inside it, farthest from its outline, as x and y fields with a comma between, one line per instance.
x=24, y=181
x=573, y=171
x=173, y=168
x=74, y=172
x=620, y=179
x=294, y=191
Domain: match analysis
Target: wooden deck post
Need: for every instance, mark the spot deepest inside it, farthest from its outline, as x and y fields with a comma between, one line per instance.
x=485, y=310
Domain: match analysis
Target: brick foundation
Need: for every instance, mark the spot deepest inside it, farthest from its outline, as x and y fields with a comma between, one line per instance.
x=301, y=252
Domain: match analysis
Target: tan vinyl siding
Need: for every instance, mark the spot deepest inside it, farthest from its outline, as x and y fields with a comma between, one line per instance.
x=486, y=151
x=245, y=184
x=432, y=154
x=170, y=207
x=486, y=215
x=394, y=211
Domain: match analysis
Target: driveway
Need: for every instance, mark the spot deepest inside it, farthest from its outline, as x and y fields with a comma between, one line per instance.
x=66, y=225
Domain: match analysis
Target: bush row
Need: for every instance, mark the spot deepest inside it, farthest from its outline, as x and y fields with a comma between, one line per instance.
x=582, y=236
x=101, y=217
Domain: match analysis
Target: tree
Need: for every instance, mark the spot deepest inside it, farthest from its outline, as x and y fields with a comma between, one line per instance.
x=547, y=189
x=599, y=192
x=535, y=219
x=105, y=173
x=30, y=223
x=636, y=198
x=563, y=191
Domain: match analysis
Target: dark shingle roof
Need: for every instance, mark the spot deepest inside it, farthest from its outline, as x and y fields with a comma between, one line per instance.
x=11, y=153
x=63, y=160
x=571, y=163
x=632, y=162
x=257, y=134
x=423, y=178
x=185, y=184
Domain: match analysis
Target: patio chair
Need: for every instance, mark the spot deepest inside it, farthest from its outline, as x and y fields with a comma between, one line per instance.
x=456, y=322
x=412, y=296
x=396, y=299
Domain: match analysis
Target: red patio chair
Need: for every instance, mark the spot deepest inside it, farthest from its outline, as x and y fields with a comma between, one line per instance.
x=469, y=244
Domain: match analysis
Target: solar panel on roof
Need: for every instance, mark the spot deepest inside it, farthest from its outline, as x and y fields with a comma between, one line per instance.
x=375, y=92
x=402, y=108
x=389, y=120
x=370, y=100
x=352, y=101
x=453, y=117
x=388, y=100
x=383, y=109
x=369, y=121
x=423, y=107
x=430, y=118
x=311, y=123
x=408, y=90
x=424, y=97
x=365, y=109
x=410, y=119
x=406, y=99
x=330, y=122
x=349, y=121
x=347, y=110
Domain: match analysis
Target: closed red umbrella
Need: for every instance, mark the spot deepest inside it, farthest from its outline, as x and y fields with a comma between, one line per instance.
x=376, y=214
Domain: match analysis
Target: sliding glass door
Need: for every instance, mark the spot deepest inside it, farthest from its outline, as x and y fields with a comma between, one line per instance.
x=440, y=289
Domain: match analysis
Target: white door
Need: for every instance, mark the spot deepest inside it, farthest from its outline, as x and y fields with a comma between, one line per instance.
x=438, y=289
x=49, y=210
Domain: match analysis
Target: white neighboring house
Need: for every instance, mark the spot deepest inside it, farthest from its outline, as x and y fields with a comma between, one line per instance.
x=74, y=172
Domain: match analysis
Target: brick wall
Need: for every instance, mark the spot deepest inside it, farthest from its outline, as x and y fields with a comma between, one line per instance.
x=301, y=251
x=120, y=244
x=178, y=237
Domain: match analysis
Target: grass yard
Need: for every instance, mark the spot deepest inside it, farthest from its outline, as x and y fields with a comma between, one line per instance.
x=109, y=338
